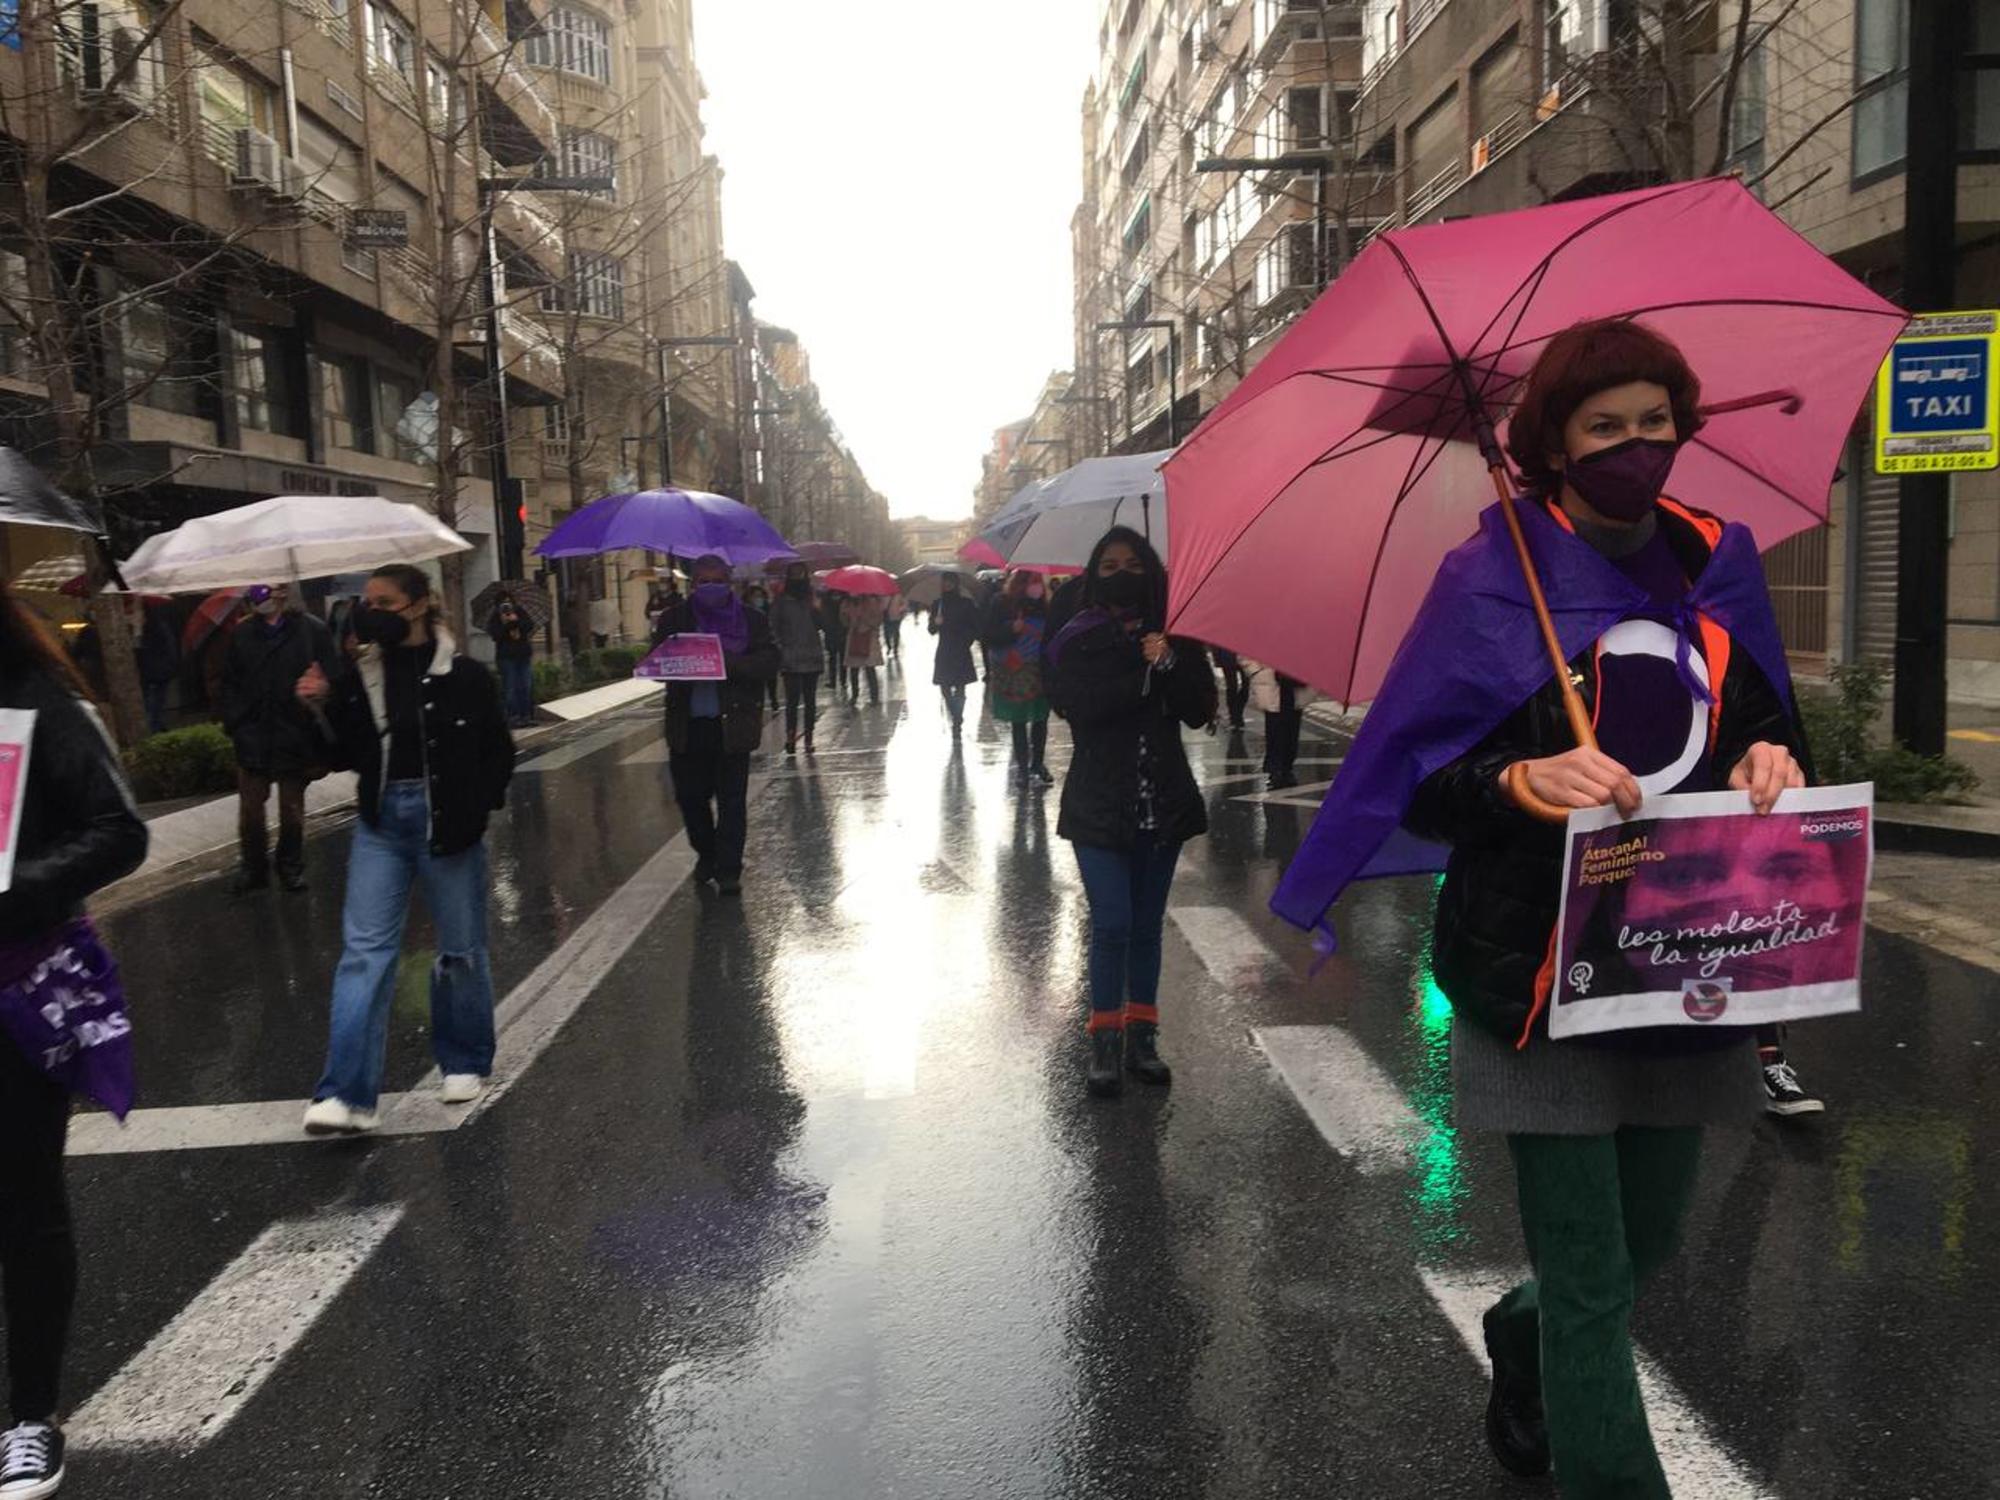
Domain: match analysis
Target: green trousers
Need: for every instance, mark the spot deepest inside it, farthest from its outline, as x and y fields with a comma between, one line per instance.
x=1600, y=1214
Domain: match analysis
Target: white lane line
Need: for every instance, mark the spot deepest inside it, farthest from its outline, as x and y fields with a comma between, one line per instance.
x=1305, y=794
x=589, y=744
x=527, y=1020
x=1697, y=1465
x=1355, y=1105
x=1227, y=945
x=200, y=1370
x=654, y=754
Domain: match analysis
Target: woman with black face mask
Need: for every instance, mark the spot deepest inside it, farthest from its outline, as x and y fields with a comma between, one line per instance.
x=795, y=627
x=1129, y=801
x=955, y=623
x=423, y=727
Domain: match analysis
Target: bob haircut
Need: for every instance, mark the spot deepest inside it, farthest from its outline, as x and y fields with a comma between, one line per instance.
x=1579, y=362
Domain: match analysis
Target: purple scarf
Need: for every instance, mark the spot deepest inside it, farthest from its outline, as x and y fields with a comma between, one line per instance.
x=731, y=622
x=1080, y=624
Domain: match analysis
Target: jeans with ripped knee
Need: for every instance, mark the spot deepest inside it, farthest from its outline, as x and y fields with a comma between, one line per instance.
x=386, y=861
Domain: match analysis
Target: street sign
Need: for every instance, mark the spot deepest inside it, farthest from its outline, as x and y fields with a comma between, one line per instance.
x=1937, y=401
x=377, y=229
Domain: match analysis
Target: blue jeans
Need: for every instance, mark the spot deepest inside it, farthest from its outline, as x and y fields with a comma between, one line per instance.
x=385, y=861
x=517, y=685
x=1128, y=915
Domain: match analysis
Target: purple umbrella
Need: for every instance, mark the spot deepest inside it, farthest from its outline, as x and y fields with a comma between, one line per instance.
x=687, y=523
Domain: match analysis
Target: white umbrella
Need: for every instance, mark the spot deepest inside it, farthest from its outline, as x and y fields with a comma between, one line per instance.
x=1056, y=522
x=288, y=538
x=923, y=583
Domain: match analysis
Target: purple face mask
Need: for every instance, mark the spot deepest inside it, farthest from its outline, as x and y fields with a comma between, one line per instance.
x=1621, y=482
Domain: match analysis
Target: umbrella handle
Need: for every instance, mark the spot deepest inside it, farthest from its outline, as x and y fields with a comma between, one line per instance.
x=1579, y=716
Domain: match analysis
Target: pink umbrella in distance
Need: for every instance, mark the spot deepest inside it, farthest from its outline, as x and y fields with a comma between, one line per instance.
x=982, y=554
x=1312, y=508
x=863, y=579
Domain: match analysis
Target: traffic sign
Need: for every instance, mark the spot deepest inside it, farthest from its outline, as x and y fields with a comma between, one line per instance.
x=1937, y=400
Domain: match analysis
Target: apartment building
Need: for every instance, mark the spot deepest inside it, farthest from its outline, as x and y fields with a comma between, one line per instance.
x=815, y=488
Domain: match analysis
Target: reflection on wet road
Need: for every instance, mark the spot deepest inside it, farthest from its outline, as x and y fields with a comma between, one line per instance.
x=806, y=1199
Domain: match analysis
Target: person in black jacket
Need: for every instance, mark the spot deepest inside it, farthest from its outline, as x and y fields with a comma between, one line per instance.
x=79, y=831
x=159, y=653
x=714, y=727
x=277, y=744
x=955, y=623
x=513, y=633
x=1129, y=801
x=422, y=726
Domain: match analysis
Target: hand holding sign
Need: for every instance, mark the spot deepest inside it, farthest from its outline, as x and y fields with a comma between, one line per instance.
x=691, y=657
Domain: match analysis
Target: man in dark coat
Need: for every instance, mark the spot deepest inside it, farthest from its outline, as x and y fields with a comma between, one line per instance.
x=955, y=623
x=277, y=743
x=713, y=727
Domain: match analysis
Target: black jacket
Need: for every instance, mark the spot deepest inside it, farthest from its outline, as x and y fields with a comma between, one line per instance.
x=743, y=692
x=273, y=733
x=1503, y=885
x=468, y=750
x=955, y=622
x=515, y=642
x=1101, y=685
x=79, y=829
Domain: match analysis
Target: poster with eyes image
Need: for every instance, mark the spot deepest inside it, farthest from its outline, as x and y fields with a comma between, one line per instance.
x=1699, y=912
x=17, y=733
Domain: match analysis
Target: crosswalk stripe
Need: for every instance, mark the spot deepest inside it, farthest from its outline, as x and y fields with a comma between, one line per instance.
x=1354, y=1104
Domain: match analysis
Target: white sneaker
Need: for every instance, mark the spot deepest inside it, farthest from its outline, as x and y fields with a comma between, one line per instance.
x=331, y=1117
x=461, y=1088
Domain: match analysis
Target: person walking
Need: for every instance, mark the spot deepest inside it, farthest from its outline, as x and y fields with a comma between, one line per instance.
x=1235, y=686
x=605, y=625
x=1605, y=1133
x=1129, y=801
x=892, y=626
x=955, y=623
x=423, y=727
x=834, y=636
x=713, y=728
x=757, y=597
x=276, y=741
x=513, y=635
x=1283, y=703
x=862, y=616
x=1014, y=638
x=159, y=654
x=79, y=831
x=796, y=630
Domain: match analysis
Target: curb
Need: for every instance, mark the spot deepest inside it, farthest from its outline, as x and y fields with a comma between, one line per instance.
x=1967, y=833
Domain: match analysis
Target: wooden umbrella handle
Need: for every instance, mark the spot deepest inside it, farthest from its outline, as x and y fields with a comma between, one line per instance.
x=1515, y=779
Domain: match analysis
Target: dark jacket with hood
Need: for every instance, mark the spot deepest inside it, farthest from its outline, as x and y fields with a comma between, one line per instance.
x=1496, y=912
x=273, y=732
x=955, y=623
x=1122, y=712
x=742, y=694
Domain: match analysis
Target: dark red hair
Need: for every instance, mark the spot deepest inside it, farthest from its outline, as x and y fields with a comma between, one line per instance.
x=1582, y=360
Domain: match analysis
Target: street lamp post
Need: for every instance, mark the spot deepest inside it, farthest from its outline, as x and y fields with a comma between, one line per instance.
x=1173, y=368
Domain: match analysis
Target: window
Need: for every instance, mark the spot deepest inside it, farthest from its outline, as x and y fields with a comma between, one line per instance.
x=16, y=347
x=1139, y=228
x=1135, y=160
x=392, y=47
x=1746, y=116
x=443, y=93
x=1881, y=55
x=262, y=380
x=161, y=367
x=408, y=413
x=348, y=403
x=595, y=286
x=231, y=100
x=575, y=41
x=1305, y=118
x=588, y=154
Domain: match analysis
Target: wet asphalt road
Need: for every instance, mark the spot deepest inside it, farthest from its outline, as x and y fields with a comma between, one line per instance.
x=807, y=1200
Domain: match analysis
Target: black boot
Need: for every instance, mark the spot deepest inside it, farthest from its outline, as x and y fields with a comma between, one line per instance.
x=1516, y=1430
x=249, y=879
x=1103, y=1080
x=1142, y=1053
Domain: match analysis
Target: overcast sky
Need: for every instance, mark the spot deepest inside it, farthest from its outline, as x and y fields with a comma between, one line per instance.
x=899, y=178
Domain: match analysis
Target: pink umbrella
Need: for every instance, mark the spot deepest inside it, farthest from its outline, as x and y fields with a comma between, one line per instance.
x=863, y=580
x=1332, y=482
x=982, y=553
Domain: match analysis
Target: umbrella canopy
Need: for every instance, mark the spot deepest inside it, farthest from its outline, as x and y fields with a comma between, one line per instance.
x=530, y=599
x=923, y=583
x=1057, y=521
x=1334, y=480
x=289, y=537
x=826, y=554
x=688, y=523
x=52, y=575
x=981, y=553
x=28, y=499
x=862, y=579
x=209, y=617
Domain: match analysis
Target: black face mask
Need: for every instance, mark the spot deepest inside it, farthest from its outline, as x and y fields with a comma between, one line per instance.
x=1122, y=590
x=380, y=627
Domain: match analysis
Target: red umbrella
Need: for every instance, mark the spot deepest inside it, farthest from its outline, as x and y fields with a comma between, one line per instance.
x=208, y=617
x=982, y=553
x=863, y=580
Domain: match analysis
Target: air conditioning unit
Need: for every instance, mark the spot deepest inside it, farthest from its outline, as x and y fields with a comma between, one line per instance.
x=292, y=182
x=258, y=160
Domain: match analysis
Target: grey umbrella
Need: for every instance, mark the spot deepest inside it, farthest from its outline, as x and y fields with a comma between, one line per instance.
x=27, y=498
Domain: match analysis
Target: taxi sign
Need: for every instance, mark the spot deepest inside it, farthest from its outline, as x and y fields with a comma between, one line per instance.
x=1937, y=403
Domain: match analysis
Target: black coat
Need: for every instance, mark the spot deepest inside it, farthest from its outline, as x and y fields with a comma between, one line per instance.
x=515, y=642
x=1503, y=885
x=274, y=735
x=742, y=694
x=1101, y=685
x=79, y=828
x=468, y=749
x=955, y=622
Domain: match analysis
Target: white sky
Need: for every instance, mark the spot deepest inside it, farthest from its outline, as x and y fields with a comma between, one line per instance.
x=899, y=179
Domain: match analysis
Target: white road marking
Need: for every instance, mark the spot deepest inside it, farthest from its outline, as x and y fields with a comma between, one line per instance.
x=1305, y=794
x=588, y=744
x=200, y=1370
x=1227, y=945
x=1355, y=1105
x=603, y=699
x=1698, y=1467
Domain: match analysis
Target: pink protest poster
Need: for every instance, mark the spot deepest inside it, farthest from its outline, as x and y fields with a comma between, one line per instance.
x=1698, y=912
x=685, y=658
x=17, y=732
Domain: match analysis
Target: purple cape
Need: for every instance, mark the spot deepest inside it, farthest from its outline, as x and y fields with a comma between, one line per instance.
x=1472, y=656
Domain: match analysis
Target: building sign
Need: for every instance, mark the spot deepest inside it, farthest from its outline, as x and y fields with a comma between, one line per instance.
x=377, y=229
x=1937, y=404
x=318, y=482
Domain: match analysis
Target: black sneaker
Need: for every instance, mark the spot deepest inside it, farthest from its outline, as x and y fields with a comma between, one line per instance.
x=1783, y=1094
x=247, y=881
x=729, y=885
x=1045, y=776
x=1516, y=1429
x=704, y=870
x=31, y=1461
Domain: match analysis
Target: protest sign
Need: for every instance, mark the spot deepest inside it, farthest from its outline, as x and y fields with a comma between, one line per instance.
x=685, y=658
x=1698, y=911
x=17, y=729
